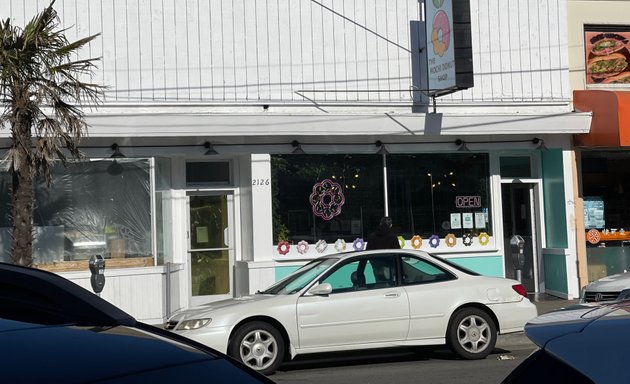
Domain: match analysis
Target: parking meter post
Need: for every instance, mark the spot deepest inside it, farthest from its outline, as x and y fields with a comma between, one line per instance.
x=517, y=246
x=97, y=269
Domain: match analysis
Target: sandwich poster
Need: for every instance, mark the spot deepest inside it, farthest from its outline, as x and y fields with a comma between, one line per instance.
x=607, y=57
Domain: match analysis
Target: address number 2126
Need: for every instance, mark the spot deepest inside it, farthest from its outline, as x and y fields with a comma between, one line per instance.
x=260, y=181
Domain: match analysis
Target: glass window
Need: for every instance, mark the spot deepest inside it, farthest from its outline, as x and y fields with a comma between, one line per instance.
x=93, y=207
x=516, y=166
x=326, y=197
x=428, y=193
x=344, y=279
x=418, y=271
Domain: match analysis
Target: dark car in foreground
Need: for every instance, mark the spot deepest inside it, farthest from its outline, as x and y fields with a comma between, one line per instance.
x=53, y=331
x=581, y=344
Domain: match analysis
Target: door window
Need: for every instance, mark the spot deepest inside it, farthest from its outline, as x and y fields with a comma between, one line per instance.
x=358, y=275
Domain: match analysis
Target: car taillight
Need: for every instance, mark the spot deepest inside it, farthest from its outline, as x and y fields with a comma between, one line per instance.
x=520, y=289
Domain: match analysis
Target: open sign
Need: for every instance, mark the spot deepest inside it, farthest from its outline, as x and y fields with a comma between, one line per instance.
x=468, y=201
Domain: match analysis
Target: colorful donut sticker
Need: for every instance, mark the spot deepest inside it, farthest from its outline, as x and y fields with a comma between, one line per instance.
x=467, y=239
x=327, y=199
x=450, y=240
x=321, y=246
x=401, y=241
x=434, y=241
x=358, y=244
x=484, y=239
x=593, y=236
x=302, y=247
x=416, y=242
x=283, y=247
x=441, y=33
x=340, y=245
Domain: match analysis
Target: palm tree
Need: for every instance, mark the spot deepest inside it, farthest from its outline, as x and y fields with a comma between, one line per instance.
x=42, y=92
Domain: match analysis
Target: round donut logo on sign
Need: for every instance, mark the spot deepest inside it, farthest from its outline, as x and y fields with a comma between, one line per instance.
x=441, y=33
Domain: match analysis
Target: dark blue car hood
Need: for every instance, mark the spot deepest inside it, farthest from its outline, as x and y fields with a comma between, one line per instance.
x=78, y=354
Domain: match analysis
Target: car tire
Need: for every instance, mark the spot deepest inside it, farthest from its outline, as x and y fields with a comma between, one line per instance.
x=258, y=345
x=472, y=334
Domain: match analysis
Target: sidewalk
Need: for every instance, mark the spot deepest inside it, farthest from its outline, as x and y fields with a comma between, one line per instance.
x=544, y=303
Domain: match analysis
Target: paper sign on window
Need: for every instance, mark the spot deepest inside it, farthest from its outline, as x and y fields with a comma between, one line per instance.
x=468, y=220
x=456, y=221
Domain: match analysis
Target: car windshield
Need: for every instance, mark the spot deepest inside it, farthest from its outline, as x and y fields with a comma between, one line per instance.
x=456, y=266
x=300, y=278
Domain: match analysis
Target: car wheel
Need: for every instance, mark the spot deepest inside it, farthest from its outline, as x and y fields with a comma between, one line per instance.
x=472, y=334
x=258, y=345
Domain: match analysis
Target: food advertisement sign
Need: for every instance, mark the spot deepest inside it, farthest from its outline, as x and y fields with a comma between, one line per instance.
x=607, y=57
x=440, y=45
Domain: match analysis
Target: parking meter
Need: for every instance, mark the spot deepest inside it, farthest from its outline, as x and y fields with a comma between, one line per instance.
x=97, y=268
x=517, y=245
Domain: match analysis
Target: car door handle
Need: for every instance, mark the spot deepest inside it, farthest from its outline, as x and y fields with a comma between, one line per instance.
x=391, y=295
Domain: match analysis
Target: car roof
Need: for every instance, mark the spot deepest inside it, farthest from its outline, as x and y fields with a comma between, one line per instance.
x=29, y=294
x=592, y=339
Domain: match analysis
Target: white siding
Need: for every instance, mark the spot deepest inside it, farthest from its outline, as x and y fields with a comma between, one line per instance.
x=327, y=51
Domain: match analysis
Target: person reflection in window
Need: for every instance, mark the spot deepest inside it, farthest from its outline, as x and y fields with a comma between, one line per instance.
x=383, y=237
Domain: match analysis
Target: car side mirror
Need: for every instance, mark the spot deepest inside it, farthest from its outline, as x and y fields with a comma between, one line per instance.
x=320, y=289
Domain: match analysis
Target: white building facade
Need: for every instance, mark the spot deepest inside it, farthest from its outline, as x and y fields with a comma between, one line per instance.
x=252, y=136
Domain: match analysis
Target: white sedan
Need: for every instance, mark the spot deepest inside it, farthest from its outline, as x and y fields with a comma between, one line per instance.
x=361, y=300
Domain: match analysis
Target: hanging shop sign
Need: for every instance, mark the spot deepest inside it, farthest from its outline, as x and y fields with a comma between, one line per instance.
x=449, y=46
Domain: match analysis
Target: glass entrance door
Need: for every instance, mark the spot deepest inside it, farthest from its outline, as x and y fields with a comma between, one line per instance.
x=211, y=250
x=519, y=219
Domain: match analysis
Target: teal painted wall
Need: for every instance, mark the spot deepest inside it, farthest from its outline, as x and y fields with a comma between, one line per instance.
x=555, y=273
x=554, y=201
x=485, y=265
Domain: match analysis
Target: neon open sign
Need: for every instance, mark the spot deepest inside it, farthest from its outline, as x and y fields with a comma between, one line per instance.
x=468, y=201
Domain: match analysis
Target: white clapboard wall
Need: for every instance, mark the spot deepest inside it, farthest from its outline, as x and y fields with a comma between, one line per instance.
x=334, y=51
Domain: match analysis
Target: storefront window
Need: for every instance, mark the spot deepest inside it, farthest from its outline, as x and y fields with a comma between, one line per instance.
x=606, y=191
x=92, y=207
x=326, y=197
x=438, y=194
x=428, y=194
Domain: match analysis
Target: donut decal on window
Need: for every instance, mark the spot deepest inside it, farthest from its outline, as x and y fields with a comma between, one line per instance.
x=321, y=246
x=450, y=240
x=302, y=247
x=434, y=241
x=327, y=199
x=283, y=247
x=358, y=244
x=416, y=242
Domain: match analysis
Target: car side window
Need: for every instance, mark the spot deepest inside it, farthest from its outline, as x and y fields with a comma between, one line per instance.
x=419, y=271
x=380, y=272
x=343, y=278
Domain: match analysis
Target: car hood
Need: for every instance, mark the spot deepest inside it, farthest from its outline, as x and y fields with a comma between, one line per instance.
x=611, y=283
x=78, y=354
x=222, y=304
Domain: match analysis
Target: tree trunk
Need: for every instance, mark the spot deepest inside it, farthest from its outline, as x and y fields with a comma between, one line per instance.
x=22, y=198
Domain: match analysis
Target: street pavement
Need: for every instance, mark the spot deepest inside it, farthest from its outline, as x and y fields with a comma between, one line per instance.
x=544, y=303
